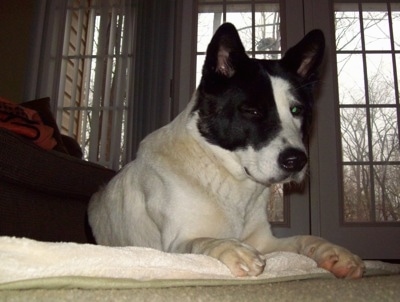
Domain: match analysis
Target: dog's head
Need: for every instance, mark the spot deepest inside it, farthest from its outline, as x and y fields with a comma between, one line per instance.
x=259, y=109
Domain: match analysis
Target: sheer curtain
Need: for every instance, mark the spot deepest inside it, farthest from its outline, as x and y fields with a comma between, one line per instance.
x=107, y=67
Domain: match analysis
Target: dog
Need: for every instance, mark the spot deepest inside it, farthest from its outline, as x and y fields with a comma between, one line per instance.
x=201, y=183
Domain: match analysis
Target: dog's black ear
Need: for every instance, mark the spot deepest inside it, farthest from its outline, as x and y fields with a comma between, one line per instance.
x=224, y=51
x=305, y=57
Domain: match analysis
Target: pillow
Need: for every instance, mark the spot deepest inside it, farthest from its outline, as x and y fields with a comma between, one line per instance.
x=65, y=143
x=42, y=106
x=26, y=122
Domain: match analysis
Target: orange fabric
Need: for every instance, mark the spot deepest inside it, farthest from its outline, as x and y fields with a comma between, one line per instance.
x=26, y=122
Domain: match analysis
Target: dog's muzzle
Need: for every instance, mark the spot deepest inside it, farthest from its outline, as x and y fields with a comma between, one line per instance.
x=292, y=160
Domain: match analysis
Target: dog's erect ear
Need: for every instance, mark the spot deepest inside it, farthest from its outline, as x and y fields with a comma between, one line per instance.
x=305, y=57
x=223, y=52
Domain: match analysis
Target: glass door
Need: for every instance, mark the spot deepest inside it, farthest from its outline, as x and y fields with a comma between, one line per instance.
x=357, y=174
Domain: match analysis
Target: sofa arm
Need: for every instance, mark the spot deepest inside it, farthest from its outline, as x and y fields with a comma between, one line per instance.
x=44, y=194
x=24, y=163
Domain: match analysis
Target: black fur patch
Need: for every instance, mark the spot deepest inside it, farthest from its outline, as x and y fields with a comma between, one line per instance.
x=239, y=111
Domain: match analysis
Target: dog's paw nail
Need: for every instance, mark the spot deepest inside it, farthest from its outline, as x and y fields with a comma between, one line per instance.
x=259, y=263
x=244, y=267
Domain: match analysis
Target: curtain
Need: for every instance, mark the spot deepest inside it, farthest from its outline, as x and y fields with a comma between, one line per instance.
x=153, y=69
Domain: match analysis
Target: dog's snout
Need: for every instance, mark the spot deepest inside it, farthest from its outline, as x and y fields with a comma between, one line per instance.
x=292, y=160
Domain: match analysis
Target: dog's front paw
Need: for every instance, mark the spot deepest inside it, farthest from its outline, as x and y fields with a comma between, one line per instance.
x=241, y=259
x=336, y=259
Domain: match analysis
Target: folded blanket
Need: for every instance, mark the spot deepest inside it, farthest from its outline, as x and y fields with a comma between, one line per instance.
x=25, y=259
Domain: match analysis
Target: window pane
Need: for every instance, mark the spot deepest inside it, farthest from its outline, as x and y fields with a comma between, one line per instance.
x=398, y=70
x=275, y=205
x=209, y=18
x=357, y=193
x=376, y=27
x=241, y=16
x=387, y=193
x=267, y=28
x=351, y=83
x=199, y=65
x=396, y=24
x=385, y=139
x=353, y=124
x=348, y=35
x=380, y=79
x=268, y=56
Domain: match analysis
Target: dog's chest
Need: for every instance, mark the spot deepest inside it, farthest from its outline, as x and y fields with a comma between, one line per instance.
x=235, y=203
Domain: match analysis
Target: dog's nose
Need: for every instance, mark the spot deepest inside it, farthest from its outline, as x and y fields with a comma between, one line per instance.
x=292, y=160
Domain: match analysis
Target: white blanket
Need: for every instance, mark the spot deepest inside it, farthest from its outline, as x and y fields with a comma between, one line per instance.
x=25, y=259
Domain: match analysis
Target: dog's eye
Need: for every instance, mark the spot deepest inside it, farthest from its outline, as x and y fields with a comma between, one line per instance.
x=296, y=110
x=250, y=112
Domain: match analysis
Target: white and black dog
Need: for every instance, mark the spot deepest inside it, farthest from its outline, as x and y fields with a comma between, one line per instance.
x=201, y=183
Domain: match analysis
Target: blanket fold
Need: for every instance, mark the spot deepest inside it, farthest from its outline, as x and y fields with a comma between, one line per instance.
x=84, y=265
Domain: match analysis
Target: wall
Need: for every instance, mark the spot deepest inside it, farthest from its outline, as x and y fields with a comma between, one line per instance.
x=16, y=22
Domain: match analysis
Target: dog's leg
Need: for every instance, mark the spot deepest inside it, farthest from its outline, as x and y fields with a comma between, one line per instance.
x=242, y=259
x=336, y=259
